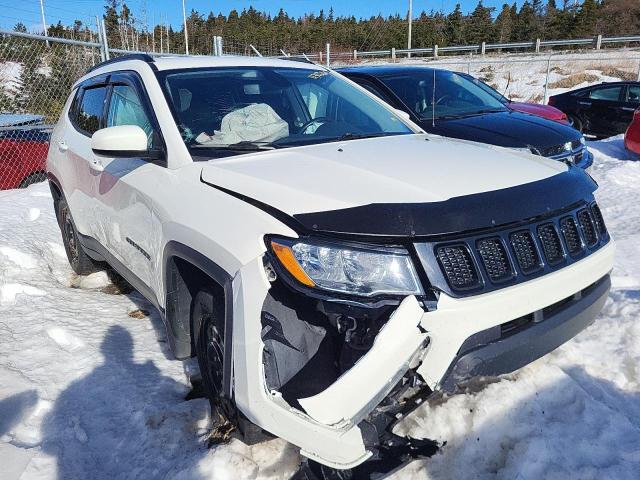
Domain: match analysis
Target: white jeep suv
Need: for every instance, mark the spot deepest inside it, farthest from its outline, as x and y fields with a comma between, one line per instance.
x=328, y=263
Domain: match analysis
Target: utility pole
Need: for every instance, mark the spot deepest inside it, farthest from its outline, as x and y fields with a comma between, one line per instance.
x=410, y=21
x=186, y=35
x=44, y=22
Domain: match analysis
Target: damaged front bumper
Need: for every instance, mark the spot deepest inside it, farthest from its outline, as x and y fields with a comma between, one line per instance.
x=463, y=337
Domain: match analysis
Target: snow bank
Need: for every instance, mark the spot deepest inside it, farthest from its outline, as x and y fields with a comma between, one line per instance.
x=86, y=391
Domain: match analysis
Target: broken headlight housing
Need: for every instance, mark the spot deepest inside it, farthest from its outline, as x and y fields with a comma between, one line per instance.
x=348, y=269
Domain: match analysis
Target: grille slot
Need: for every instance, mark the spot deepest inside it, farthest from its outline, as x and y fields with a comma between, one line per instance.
x=588, y=227
x=458, y=266
x=525, y=251
x=494, y=258
x=598, y=219
x=551, y=245
x=571, y=235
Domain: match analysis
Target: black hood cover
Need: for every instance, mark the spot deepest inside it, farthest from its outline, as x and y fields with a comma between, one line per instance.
x=458, y=214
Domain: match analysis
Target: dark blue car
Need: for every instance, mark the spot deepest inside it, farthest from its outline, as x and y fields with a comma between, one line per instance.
x=450, y=104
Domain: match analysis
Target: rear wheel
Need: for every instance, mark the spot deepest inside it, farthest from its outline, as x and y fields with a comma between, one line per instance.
x=207, y=319
x=80, y=262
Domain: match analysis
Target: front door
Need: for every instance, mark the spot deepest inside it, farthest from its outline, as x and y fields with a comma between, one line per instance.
x=124, y=207
x=601, y=108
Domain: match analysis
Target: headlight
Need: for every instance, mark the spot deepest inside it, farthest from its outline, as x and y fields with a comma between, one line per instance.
x=582, y=140
x=346, y=269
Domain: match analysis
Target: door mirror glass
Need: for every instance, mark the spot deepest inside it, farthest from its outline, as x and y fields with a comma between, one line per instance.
x=120, y=141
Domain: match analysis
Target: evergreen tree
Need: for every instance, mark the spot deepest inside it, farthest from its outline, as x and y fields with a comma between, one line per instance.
x=480, y=25
x=455, y=34
x=504, y=24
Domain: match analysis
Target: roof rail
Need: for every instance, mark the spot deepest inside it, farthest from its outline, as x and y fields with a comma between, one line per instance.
x=132, y=56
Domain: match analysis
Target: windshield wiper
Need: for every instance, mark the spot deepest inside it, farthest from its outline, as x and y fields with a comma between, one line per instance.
x=244, y=146
x=358, y=136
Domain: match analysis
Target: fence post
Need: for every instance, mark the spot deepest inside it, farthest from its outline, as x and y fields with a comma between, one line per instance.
x=320, y=56
x=537, y=45
x=393, y=54
x=435, y=51
x=638, y=77
x=215, y=45
x=355, y=55
x=546, y=81
x=105, y=42
x=328, y=54
x=598, y=42
x=483, y=48
x=103, y=58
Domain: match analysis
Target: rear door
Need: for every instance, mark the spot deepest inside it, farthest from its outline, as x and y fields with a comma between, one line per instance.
x=631, y=103
x=79, y=165
x=601, y=109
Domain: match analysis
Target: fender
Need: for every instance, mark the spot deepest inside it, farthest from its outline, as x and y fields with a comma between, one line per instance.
x=178, y=305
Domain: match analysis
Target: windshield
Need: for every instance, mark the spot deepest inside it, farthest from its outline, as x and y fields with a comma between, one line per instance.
x=490, y=90
x=453, y=95
x=249, y=108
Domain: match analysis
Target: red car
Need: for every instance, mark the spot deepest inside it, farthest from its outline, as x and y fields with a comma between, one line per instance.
x=544, y=111
x=632, y=135
x=24, y=144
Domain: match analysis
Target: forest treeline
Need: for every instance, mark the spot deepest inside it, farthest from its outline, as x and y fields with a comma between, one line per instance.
x=551, y=19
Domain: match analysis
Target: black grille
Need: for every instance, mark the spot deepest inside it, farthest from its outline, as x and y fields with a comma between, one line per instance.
x=494, y=258
x=597, y=218
x=588, y=228
x=458, y=266
x=525, y=251
x=551, y=245
x=571, y=235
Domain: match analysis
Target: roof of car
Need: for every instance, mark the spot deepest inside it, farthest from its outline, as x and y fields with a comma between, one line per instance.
x=381, y=70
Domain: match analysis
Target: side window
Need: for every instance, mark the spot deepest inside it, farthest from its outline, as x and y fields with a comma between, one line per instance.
x=126, y=108
x=90, y=111
x=611, y=94
x=633, y=94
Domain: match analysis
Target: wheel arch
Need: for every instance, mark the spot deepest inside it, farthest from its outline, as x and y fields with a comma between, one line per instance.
x=185, y=271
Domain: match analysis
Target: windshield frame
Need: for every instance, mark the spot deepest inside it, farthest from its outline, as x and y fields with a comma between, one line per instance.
x=161, y=76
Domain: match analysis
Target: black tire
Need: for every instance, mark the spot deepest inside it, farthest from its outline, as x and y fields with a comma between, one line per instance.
x=80, y=262
x=33, y=178
x=575, y=122
x=207, y=320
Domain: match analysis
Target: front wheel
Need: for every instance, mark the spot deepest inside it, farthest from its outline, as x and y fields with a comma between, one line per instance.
x=575, y=122
x=207, y=319
x=80, y=262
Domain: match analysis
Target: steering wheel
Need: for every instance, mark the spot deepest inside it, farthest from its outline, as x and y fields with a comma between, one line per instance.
x=323, y=120
x=442, y=98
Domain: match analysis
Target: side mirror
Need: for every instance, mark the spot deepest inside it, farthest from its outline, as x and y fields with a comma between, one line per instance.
x=402, y=114
x=121, y=141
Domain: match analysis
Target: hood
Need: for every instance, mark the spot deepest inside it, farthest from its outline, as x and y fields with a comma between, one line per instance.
x=393, y=171
x=505, y=129
x=544, y=111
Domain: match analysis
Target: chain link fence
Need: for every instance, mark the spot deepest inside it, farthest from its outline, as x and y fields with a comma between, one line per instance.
x=35, y=80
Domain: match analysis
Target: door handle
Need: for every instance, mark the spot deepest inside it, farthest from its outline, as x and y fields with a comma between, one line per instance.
x=96, y=165
x=585, y=104
x=62, y=146
x=628, y=109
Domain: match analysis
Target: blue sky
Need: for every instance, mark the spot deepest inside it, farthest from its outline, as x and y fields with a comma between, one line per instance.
x=28, y=11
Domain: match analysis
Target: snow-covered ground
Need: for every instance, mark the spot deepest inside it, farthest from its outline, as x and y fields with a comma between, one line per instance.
x=89, y=391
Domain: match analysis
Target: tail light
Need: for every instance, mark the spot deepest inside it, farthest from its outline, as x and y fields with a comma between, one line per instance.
x=552, y=101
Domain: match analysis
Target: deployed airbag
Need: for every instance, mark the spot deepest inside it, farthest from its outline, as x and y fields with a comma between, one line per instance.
x=253, y=123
